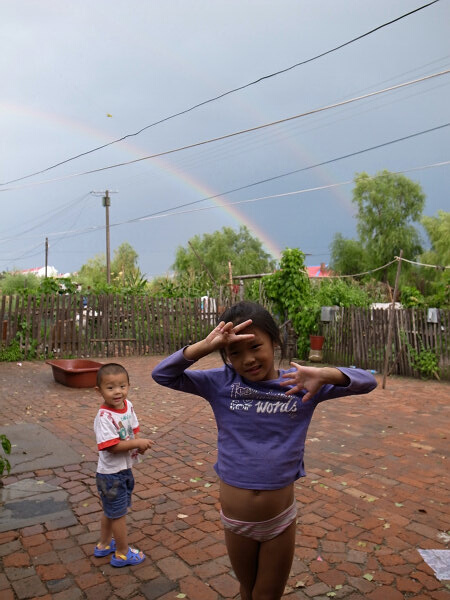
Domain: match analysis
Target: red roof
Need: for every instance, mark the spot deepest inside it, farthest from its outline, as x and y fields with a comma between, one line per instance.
x=320, y=271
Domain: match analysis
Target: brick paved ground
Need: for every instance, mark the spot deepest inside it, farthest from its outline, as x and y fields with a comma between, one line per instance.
x=376, y=491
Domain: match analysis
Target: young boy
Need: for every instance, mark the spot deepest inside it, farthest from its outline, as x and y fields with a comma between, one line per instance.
x=116, y=428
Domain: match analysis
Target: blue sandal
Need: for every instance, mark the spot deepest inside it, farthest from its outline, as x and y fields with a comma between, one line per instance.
x=106, y=550
x=132, y=558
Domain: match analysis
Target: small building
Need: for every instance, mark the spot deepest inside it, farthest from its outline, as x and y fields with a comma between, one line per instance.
x=320, y=271
x=40, y=271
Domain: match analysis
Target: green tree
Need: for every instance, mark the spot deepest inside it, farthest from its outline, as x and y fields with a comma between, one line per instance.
x=347, y=256
x=389, y=206
x=437, y=281
x=289, y=290
x=340, y=292
x=19, y=283
x=438, y=231
x=93, y=273
x=124, y=261
x=205, y=259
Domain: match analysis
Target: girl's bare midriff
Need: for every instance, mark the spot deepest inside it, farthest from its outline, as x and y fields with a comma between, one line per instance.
x=254, y=505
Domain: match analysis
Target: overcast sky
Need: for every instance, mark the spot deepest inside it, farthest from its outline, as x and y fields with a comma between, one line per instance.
x=78, y=75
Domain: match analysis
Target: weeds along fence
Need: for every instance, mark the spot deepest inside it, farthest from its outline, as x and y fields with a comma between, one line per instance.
x=102, y=326
x=68, y=326
x=358, y=336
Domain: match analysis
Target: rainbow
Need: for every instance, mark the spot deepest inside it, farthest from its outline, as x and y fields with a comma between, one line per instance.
x=134, y=150
x=185, y=178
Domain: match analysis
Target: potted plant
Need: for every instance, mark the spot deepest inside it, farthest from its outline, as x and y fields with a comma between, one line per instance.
x=316, y=344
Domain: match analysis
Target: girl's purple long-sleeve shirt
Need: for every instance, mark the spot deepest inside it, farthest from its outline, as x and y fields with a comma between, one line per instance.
x=261, y=431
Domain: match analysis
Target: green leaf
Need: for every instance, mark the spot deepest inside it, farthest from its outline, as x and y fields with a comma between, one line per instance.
x=6, y=444
x=368, y=576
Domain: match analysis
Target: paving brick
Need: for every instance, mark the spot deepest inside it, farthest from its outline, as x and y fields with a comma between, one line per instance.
x=87, y=580
x=155, y=589
x=333, y=577
x=99, y=592
x=33, y=540
x=10, y=547
x=17, y=574
x=385, y=593
x=46, y=558
x=406, y=584
x=225, y=585
x=356, y=556
x=429, y=583
x=196, y=588
x=79, y=567
x=127, y=591
x=58, y=585
x=313, y=591
x=362, y=585
x=8, y=536
x=32, y=530
x=18, y=559
x=29, y=587
x=53, y=571
x=173, y=568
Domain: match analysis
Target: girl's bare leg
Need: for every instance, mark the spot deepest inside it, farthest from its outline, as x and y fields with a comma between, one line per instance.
x=243, y=553
x=274, y=565
x=262, y=568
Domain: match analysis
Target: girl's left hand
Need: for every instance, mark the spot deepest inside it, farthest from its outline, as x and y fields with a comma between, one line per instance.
x=303, y=378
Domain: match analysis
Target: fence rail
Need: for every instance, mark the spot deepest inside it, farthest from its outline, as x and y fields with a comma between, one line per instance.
x=113, y=326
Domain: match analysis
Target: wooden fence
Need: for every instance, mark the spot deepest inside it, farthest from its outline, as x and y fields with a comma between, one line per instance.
x=358, y=336
x=67, y=326
x=103, y=326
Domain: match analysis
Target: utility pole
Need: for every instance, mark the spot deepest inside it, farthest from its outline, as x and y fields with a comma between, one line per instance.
x=46, y=256
x=106, y=203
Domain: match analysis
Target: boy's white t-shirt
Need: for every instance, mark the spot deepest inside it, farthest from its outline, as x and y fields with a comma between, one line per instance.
x=112, y=426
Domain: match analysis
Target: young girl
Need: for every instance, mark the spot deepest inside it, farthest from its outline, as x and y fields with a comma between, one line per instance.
x=262, y=416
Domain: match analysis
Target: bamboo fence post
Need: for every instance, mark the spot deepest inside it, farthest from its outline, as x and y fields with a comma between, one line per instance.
x=391, y=320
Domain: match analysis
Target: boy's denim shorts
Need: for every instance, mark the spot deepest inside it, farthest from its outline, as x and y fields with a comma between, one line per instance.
x=115, y=492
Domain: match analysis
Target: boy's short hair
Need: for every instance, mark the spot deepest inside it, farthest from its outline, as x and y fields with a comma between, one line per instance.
x=110, y=369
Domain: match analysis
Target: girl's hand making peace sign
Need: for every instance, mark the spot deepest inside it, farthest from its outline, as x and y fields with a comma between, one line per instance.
x=227, y=333
x=221, y=336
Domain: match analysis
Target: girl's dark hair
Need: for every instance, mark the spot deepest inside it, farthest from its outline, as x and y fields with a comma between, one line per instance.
x=261, y=318
x=110, y=369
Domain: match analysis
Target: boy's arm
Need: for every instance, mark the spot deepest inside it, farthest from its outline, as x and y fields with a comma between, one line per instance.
x=141, y=444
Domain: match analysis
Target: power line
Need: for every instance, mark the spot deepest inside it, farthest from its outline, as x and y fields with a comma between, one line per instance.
x=247, y=201
x=234, y=134
x=309, y=167
x=49, y=216
x=222, y=95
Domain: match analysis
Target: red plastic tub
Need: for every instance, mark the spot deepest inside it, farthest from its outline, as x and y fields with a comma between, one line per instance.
x=75, y=372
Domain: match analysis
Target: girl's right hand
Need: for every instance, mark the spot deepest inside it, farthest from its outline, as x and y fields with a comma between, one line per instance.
x=221, y=336
x=227, y=333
